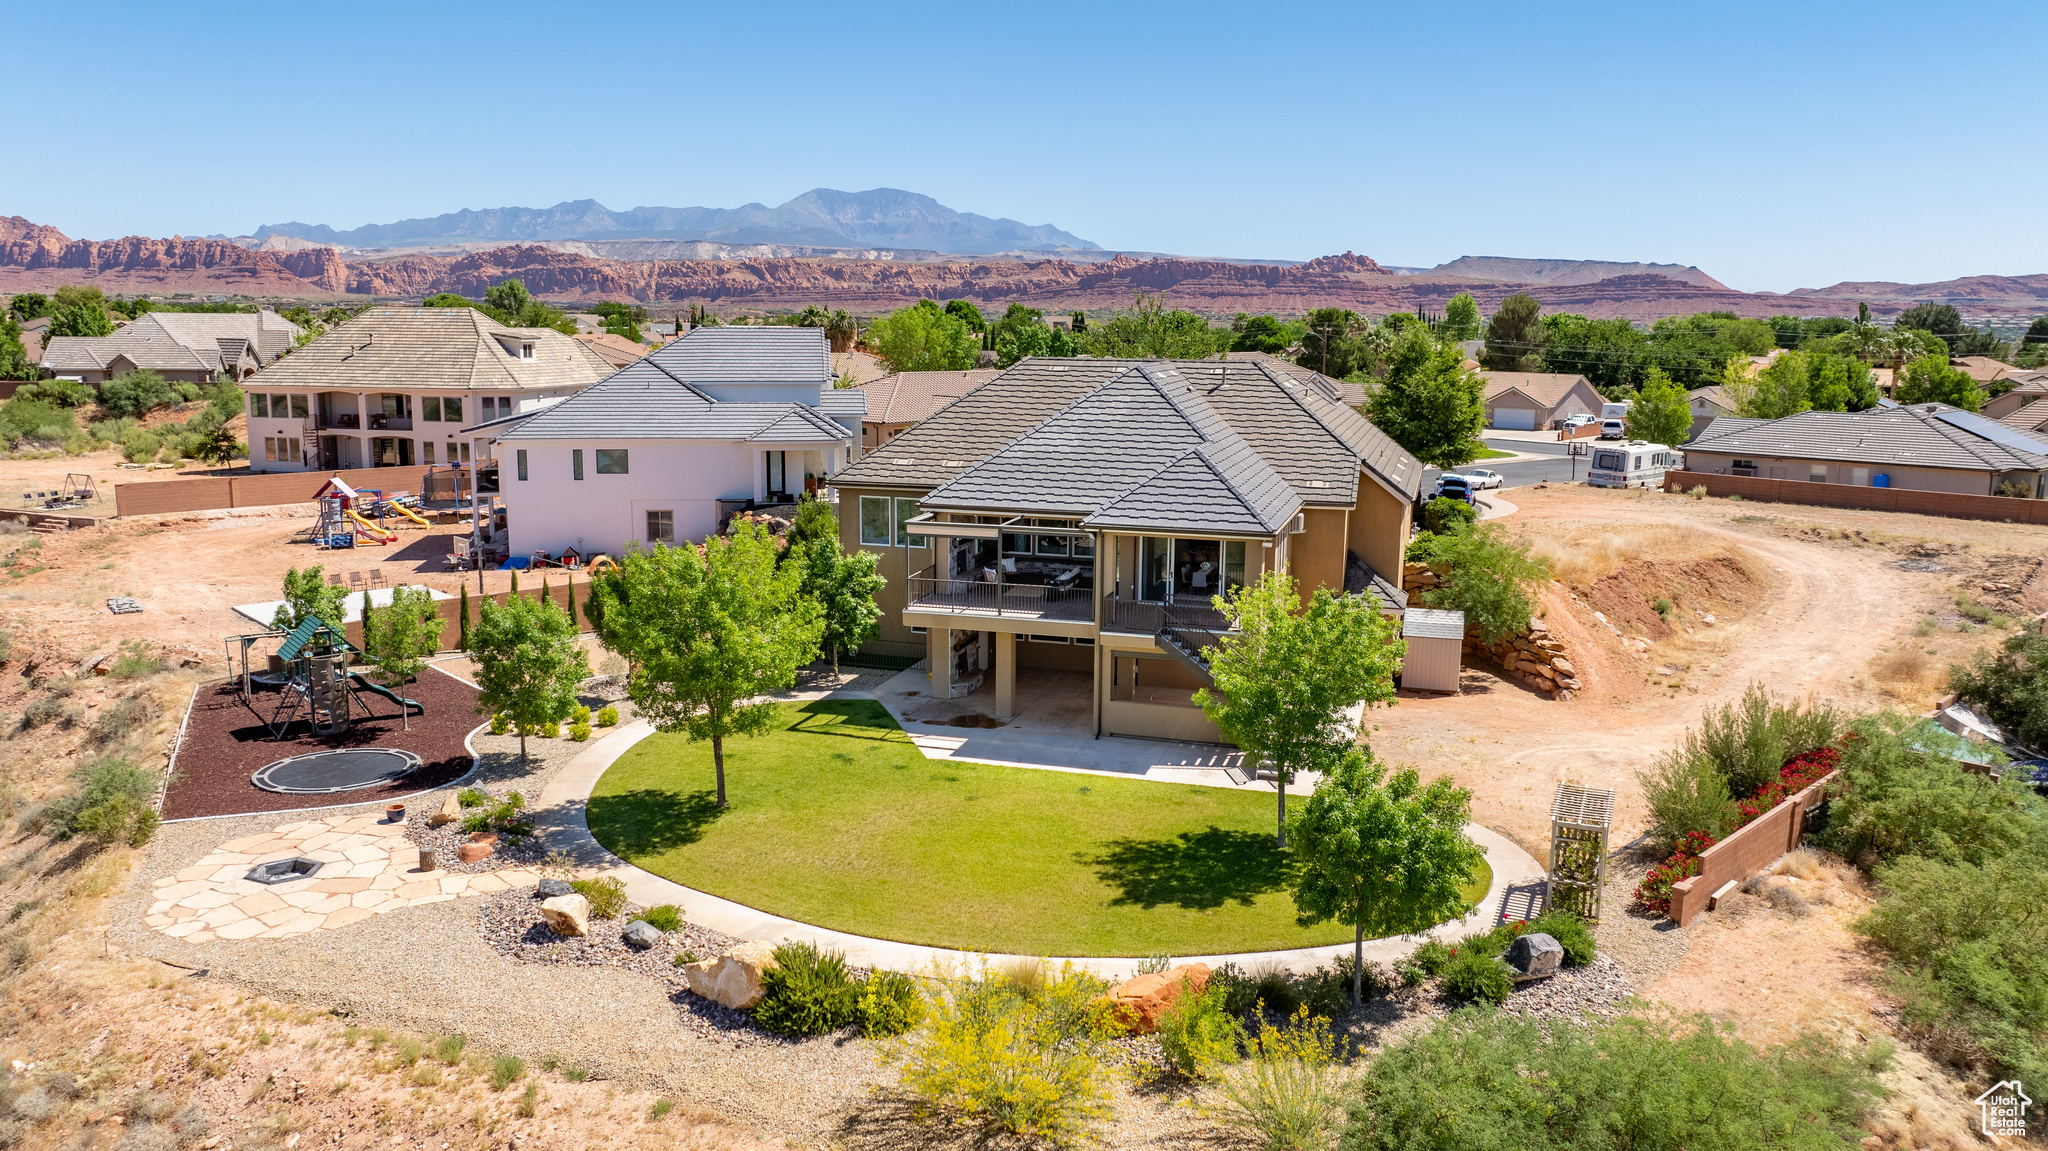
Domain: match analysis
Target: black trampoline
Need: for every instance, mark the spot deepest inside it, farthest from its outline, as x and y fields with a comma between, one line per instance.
x=343, y=769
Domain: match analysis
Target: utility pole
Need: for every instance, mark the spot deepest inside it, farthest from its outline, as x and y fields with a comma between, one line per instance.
x=1325, y=330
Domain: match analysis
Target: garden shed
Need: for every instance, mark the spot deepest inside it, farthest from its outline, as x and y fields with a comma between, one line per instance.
x=1436, y=641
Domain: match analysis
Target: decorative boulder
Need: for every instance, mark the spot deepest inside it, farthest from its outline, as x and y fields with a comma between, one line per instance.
x=474, y=852
x=487, y=838
x=549, y=888
x=1141, y=1001
x=732, y=979
x=566, y=914
x=641, y=935
x=1535, y=955
x=451, y=810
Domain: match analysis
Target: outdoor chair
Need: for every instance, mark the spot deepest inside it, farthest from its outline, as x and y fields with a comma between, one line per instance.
x=356, y=583
x=333, y=579
x=376, y=577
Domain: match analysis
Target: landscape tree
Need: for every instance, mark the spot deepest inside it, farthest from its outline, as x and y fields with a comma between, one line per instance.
x=1930, y=379
x=923, y=338
x=1662, y=411
x=219, y=446
x=2011, y=686
x=15, y=361
x=843, y=585
x=1285, y=674
x=2033, y=344
x=407, y=633
x=508, y=296
x=307, y=594
x=79, y=310
x=1461, y=317
x=1609, y=353
x=1259, y=334
x=967, y=313
x=528, y=663
x=28, y=306
x=1148, y=331
x=1331, y=343
x=1515, y=336
x=1946, y=324
x=813, y=521
x=1490, y=574
x=1379, y=852
x=709, y=631
x=1429, y=403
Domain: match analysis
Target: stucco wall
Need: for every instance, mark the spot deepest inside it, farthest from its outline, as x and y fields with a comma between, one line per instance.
x=895, y=566
x=1319, y=551
x=1378, y=528
x=1952, y=480
x=550, y=510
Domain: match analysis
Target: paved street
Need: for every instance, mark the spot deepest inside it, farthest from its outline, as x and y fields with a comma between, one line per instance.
x=1554, y=466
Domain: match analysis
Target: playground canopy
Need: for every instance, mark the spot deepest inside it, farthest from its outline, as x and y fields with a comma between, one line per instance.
x=352, y=605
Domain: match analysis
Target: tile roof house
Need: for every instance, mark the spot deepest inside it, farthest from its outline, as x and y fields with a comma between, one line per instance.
x=2028, y=388
x=897, y=401
x=398, y=386
x=1531, y=401
x=1922, y=447
x=664, y=449
x=1080, y=514
x=616, y=350
x=1352, y=395
x=1983, y=369
x=184, y=347
x=1708, y=404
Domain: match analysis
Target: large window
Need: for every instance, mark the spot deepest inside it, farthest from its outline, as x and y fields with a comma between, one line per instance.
x=1189, y=570
x=661, y=527
x=611, y=461
x=451, y=409
x=299, y=408
x=280, y=406
x=259, y=406
x=875, y=524
x=430, y=409
x=906, y=508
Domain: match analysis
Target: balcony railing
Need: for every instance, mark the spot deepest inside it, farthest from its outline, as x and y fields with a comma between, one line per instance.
x=1143, y=617
x=391, y=423
x=964, y=596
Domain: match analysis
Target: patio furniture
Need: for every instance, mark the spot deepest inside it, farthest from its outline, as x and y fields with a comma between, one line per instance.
x=333, y=579
x=356, y=582
x=377, y=577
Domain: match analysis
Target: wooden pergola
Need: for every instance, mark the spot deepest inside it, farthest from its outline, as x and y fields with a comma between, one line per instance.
x=1579, y=817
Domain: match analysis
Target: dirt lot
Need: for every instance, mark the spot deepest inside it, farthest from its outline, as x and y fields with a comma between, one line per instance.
x=1863, y=608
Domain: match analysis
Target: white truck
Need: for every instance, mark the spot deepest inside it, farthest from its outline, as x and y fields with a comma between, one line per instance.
x=1614, y=419
x=1635, y=464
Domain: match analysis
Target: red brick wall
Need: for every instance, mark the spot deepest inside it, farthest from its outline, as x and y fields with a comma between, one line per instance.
x=144, y=499
x=1873, y=499
x=1746, y=852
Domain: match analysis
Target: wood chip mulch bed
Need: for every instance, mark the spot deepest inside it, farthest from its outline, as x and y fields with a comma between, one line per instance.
x=226, y=741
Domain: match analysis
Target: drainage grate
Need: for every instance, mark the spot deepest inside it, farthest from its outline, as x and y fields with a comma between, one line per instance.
x=283, y=870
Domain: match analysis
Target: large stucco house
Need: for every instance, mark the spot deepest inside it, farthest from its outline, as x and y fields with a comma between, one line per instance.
x=661, y=450
x=396, y=386
x=182, y=347
x=1921, y=447
x=1079, y=515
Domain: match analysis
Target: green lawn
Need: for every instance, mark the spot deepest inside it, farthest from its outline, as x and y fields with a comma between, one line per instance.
x=837, y=820
x=1492, y=454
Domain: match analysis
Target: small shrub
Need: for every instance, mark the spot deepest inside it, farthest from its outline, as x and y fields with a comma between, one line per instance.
x=448, y=1049
x=1571, y=933
x=1446, y=516
x=890, y=1004
x=47, y=711
x=580, y=715
x=666, y=917
x=426, y=1075
x=476, y=823
x=1735, y=499
x=500, y=724
x=661, y=1107
x=575, y=1074
x=409, y=1051
x=116, y=803
x=472, y=797
x=579, y=732
x=1198, y=1034
x=1240, y=991
x=506, y=1070
x=1286, y=1092
x=1431, y=957
x=118, y=719
x=1153, y=965
x=136, y=664
x=529, y=1101
x=1697, y=491
x=141, y=447
x=1663, y=606
x=1478, y=975
x=608, y=716
x=809, y=993
x=1276, y=992
x=607, y=895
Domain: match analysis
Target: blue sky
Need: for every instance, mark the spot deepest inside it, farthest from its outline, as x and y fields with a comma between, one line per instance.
x=1773, y=145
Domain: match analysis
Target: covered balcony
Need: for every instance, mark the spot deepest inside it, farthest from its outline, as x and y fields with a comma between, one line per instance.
x=1013, y=567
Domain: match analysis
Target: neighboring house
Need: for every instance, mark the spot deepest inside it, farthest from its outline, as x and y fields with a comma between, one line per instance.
x=397, y=386
x=663, y=450
x=1708, y=404
x=1922, y=447
x=2031, y=419
x=1078, y=515
x=1352, y=395
x=183, y=347
x=1986, y=371
x=895, y=402
x=2028, y=388
x=33, y=334
x=1529, y=401
x=618, y=351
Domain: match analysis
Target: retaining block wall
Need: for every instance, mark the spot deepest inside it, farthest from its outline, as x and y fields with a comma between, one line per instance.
x=209, y=492
x=1749, y=850
x=1873, y=499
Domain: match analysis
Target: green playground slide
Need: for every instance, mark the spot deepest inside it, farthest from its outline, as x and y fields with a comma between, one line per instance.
x=417, y=707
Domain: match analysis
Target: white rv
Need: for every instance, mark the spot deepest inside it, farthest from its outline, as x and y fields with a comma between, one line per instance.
x=1635, y=464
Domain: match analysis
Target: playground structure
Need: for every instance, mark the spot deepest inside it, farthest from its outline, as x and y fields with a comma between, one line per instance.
x=78, y=490
x=310, y=672
x=343, y=520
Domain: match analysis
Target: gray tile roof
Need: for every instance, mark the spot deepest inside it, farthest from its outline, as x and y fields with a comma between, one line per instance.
x=269, y=333
x=177, y=342
x=1915, y=435
x=1307, y=435
x=746, y=353
x=643, y=402
x=907, y=397
x=1183, y=467
x=1349, y=394
x=393, y=349
x=843, y=402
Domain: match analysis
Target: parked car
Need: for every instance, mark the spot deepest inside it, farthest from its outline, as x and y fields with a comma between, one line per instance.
x=1452, y=486
x=1481, y=479
x=1573, y=423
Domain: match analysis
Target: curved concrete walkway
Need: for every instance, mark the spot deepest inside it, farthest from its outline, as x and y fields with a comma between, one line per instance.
x=559, y=818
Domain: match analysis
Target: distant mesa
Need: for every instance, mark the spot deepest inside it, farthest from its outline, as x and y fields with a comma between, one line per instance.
x=821, y=217
x=1514, y=270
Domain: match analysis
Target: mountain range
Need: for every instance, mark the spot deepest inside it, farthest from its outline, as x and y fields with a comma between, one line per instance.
x=821, y=217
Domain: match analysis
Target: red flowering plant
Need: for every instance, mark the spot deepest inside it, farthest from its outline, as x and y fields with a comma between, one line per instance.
x=1799, y=773
x=1654, y=892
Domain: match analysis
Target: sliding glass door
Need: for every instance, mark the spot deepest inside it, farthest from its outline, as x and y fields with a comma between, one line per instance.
x=1189, y=571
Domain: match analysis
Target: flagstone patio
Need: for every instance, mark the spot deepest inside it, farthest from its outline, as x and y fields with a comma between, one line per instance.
x=371, y=868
